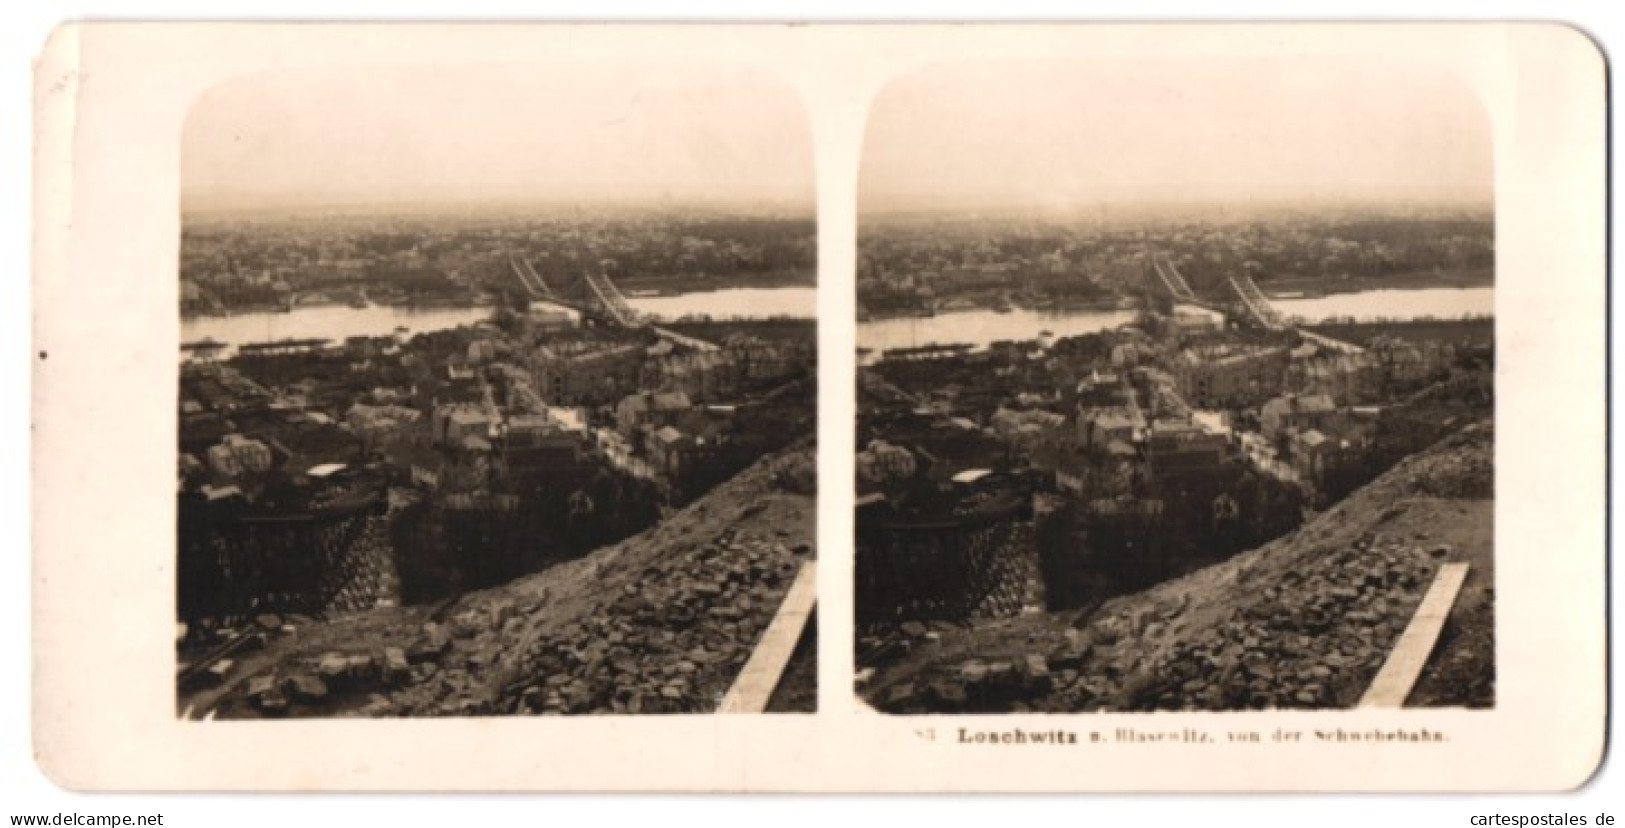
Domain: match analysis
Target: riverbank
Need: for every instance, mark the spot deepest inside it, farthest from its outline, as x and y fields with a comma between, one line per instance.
x=729, y=303
x=651, y=286
x=480, y=303
x=1461, y=332
x=1309, y=287
x=1002, y=304
x=780, y=328
x=331, y=323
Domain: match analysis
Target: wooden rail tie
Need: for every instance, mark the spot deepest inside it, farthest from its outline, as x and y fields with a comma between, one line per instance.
x=1399, y=673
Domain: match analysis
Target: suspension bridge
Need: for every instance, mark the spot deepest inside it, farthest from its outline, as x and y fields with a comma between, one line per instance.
x=593, y=295
x=1247, y=301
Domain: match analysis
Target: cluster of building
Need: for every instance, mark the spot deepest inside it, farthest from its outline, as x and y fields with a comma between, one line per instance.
x=231, y=265
x=602, y=368
x=1175, y=403
x=1386, y=367
x=917, y=266
x=238, y=438
x=459, y=410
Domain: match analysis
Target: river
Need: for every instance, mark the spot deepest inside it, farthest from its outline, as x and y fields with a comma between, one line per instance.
x=748, y=303
x=335, y=322
x=976, y=327
x=1370, y=305
x=982, y=327
x=338, y=322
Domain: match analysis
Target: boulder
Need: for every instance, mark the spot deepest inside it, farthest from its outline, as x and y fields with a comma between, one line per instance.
x=1035, y=667
x=272, y=701
x=394, y=667
x=333, y=667
x=218, y=671
x=1066, y=660
x=429, y=648
x=361, y=667
x=306, y=688
x=259, y=685
x=972, y=672
x=948, y=693
x=901, y=694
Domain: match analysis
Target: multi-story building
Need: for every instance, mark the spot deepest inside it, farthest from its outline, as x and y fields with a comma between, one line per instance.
x=1296, y=413
x=589, y=373
x=237, y=455
x=453, y=424
x=1354, y=378
x=650, y=409
x=702, y=375
x=1179, y=447
x=1230, y=376
x=1099, y=428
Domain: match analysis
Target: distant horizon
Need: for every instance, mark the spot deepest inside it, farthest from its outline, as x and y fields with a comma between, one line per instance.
x=689, y=132
x=1144, y=208
x=1098, y=134
x=489, y=207
x=966, y=209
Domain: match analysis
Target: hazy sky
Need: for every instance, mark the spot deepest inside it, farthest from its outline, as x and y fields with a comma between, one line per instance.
x=1061, y=134
x=533, y=132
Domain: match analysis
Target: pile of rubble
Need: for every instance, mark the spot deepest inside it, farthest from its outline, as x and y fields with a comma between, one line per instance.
x=1305, y=621
x=297, y=686
x=977, y=686
x=208, y=653
x=661, y=622
x=314, y=685
x=669, y=639
x=1312, y=639
x=1462, y=465
x=672, y=641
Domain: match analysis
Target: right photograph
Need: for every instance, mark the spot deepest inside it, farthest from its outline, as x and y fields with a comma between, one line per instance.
x=1175, y=388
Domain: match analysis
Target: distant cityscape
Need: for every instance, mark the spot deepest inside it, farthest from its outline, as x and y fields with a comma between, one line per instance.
x=385, y=493
x=924, y=263
x=235, y=264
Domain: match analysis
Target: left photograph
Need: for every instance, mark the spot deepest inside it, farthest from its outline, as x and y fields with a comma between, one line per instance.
x=497, y=393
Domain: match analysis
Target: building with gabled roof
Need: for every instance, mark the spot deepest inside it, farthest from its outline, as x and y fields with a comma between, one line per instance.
x=1295, y=412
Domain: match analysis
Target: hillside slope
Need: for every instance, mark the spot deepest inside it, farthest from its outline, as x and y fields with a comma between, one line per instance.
x=660, y=622
x=1304, y=621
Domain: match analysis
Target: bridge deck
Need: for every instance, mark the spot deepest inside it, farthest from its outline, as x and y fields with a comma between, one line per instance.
x=1329, y=342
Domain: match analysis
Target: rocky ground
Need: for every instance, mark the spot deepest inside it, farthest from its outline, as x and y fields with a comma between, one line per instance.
x=1305, y=621
x=659, y=623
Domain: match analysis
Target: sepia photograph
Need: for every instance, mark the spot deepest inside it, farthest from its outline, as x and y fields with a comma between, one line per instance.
x=1175, y=388
x=497, y=393
x=436, y=407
